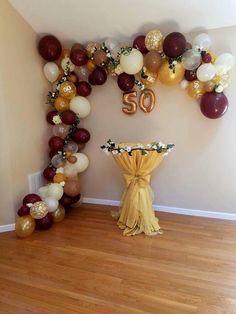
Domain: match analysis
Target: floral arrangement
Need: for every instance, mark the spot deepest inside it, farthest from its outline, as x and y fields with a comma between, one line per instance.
x=111, y=148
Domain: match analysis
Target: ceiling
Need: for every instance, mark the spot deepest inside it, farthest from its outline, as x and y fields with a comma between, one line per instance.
x=83, y=20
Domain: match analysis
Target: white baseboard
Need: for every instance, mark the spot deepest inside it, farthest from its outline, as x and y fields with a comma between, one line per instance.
x=5, y=228
x=167, y=209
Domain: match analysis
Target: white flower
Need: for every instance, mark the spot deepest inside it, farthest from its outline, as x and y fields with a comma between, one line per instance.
x=122, y=150
x=184, y=84
x=60, y=170
x=62, y=183
x=114, y=152
x=219, y=89
x=149, y=146
x=29, y=205
x=128, y=149
x=161, y=144
x=174, y=62
x=56, y=119
x=106, y=151
x=154, y=146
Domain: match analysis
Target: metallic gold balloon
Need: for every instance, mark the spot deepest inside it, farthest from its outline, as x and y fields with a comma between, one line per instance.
x=59, y=214
x=25, y=226
x=223, y=80
x=59, y=177
x=65, y=53
x=61, y=104
x=67, y=90
x=91, y=66
x=147, y=93
x=38, y=210
x=128, y=101
x=153, y=40
x=170, y=76
x=195, y=89
x=148, y=78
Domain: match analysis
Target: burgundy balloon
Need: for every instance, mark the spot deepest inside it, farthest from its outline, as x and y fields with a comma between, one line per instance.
x=31, y=198
x=75, y=199
x=49, y=48
x=78, y=55
x=206, y=58
x=83, y=88
x=98, y=76
x=50, y=116
x=126, y=81
x=66, y=201
x=44, y=223
x=80, y=135
x=52, y=153
x=49, y=173
x=68, y=117
x=190, y=75
x=174, y=45
x=56, y=143
x=214, y=105
x=24, y=210
x=139, y=43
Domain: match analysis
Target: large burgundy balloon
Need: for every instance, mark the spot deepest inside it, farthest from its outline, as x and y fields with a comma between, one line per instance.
x=24, y=210
x=50, y=116
x=139, y=43
x=68, y=117
x=66, y=201
x=174, y=45
x=49, y=173
x=78, y=55
x=126, y=81
x=31, y=198
x=214, y=105
x=49, y=48
x=83, y=88
x=98, y=76
x=56, y=143
x=44, y=223
x=80, y=135
x=190, y=75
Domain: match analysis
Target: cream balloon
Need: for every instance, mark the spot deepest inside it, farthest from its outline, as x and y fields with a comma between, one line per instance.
x=132, y=62
x=202, y=41
x=51, y=71
x=55, y=190
x=70, y=170
x=43, y=191
x=206, y=72
x=224, y=63
x=81, y=106
x=67, y=63
x=52, y=203
x=82, y=162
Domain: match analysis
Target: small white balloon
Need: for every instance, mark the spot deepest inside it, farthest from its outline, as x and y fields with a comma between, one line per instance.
x=55, y=190
x=202, y=41
x=206, y=72
x=52, y=203
x=111, y=43
x=132, y=62
x=51, y=71
x=70, y=170
x=67, y=63
x=82, y=162
x=224, y=61
x=184, y=84
x=43, y=191
x=191, y=59
x=81, y=106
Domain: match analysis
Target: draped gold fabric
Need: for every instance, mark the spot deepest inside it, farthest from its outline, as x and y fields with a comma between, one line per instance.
x=136, y=213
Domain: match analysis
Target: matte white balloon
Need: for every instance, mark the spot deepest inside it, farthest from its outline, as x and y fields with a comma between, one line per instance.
x=111, y=43
x=202, y=41
x=206, y=72
x=82, y=162
x=51, y=71
x=81, y=106
x=52, y=203
x=224, y=63
x=67, y=63
x=132, y=62
x=43, y=191
x=70, y=170
x=191, y=59
x=55, y=190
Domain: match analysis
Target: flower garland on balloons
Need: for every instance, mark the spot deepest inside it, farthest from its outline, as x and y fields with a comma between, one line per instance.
x=74, y=71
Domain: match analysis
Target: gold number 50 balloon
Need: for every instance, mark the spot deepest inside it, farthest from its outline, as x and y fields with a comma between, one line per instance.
x=127, y=100
x=132, y=105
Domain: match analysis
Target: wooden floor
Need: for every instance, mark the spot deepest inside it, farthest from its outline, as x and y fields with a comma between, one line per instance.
x=85, y=265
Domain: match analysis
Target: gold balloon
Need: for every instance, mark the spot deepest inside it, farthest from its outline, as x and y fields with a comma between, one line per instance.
x=170, y=76
x=90, y=66
x=61, y=104
x=209, y=86
x=213, y=56
x=153, y=40
x=148, y=78
x=67, y=90
x=195, y=89
x=128, y=101
x=65, y=53
x=223, y=80
x=91, y=48
x=59, y=214
x=38, y=210
x=25, y=226
x=147, y=93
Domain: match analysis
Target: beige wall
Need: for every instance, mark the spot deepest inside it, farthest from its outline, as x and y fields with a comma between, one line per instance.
x=22, y=110
x=200, y=173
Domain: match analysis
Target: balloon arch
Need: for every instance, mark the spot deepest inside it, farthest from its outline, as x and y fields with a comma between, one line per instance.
x=74, y=71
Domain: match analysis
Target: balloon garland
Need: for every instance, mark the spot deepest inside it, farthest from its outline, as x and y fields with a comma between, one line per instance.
x=74, y=71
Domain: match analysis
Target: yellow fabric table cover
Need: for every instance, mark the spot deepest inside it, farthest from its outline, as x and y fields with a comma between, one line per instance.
x=136, y=214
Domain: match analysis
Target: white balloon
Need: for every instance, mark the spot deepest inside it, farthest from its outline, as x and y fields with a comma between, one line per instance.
x=184, y=84
x=82, y=162
x=43, y=191
x=206, y=72
x=55, y=190
x=191, y=59
x=51, y=71
x=66, y=62
x=81, y=106
x=132, y=62
x=70, y=170
x=224, y=63
x=202, y=41
x=111, y=43
x=52, y=203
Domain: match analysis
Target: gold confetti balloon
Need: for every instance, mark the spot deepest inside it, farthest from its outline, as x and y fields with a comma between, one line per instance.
x=91, y=48
x=223, y=80
x=67, y=90
x=59, y=214
x=148, y=78
x=25, y=226
x=153, y=40
x=195, y=89
x=38, y=210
